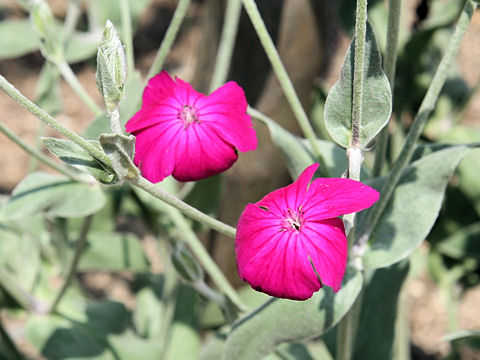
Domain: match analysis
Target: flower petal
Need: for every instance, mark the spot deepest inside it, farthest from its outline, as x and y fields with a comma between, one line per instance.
x=226, y=110
x=326, y=245
x=201, y=153
x=291, y=196
x=159, y=87
x=331, y=197
x=271, y=260
x=155, y=157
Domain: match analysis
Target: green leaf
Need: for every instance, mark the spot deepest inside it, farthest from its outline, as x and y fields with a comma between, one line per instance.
x=54, y=195
x=377, y=97
x=298, y=154
x=379, y=312
x=18, y=38
x=108, y=251
x=80, y=159
x=120, y=149
x=184, y=335
x=103, y=10
x=81, y=46
x=258, y=333
x=60, y=339
x=98, y=332
x=16, y=250
x=413, y=208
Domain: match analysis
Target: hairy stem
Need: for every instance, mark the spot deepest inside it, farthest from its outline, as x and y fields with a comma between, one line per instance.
x=16, y=95
x=227, y=42
x=347, y=327
x=284, y=80
x=394, y=11
x=72, y=267
x=188, y=210
x=169, y=38
x=427, y=106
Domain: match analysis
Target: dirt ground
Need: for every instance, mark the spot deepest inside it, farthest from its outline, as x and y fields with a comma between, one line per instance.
x=427, y=310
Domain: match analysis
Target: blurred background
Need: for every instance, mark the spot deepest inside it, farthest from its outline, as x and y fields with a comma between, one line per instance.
x=443, y=292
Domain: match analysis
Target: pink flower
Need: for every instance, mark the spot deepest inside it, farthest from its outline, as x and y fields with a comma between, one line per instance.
x=189, y=135
x=293, y=233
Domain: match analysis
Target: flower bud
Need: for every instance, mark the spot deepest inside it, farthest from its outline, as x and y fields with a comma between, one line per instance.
x=43, y=22
x=111, y=67
x=185, y=264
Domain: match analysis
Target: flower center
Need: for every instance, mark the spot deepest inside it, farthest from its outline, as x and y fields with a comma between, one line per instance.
x=293, y=220
x=188, y=115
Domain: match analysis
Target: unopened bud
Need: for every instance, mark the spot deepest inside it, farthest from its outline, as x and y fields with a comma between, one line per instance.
x=185, y=264
x=111, y=67
x=43, y=22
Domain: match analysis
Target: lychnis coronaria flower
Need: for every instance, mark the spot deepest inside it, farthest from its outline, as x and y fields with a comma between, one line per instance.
x=291, y=242
x=189, y=135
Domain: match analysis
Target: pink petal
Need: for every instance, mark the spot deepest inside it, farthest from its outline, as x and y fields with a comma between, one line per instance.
x=291, y=196
x=271, y=260
x=152, y=115
x=331, y=197
x=225, y=111
x=155, y=158
x=159, y=87
x=201, y=153
x=326, y=244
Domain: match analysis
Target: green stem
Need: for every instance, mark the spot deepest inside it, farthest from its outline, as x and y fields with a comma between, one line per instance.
x=71, y=19
x=9, y=344
x=188, y=210
x=169, y=38
x=394, y=11
x=209, y=293
x=227, y=42
x=427, y=106
x=127, y=34
x=204, y=258
x=72, y=80
x=72, y=268
x=16, y=95
x=37, y=154
x=114, y=117
x=354, y=151
x=347, y=327
x=284, y=80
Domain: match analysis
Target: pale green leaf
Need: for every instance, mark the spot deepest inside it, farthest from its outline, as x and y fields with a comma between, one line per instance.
x=413, y=208
x=17, y=39
x=54, y=195
x=277, y=321
x=379, y=312
x=108, y=251
x=80, y=159
x=377, y=97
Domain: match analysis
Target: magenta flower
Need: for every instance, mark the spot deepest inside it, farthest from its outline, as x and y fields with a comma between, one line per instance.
x=189, y=135
x=293, y=232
